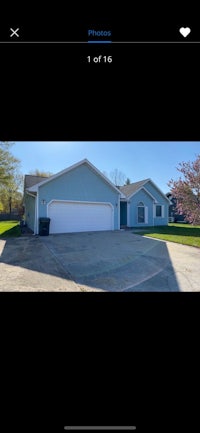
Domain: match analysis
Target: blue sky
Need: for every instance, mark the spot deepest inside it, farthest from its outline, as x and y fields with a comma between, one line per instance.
x=137, y=160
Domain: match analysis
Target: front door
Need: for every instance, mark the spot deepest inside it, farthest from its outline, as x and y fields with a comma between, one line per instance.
x=123, y=213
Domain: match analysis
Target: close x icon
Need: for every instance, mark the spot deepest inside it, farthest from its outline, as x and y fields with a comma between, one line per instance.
x=14, y=32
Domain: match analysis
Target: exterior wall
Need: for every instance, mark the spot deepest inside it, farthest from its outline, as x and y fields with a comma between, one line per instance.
x=81, y=184
x=30, y=211
x=159, y=221
x=148, y=202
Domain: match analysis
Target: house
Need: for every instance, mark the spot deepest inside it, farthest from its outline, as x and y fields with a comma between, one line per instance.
x=80, y=198
x=29, y=203
x=144, y=205
x=173, y=215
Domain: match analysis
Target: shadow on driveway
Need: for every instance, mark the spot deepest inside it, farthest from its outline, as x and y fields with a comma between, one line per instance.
x=114, y=261
x=104, y=261
x=27, y=265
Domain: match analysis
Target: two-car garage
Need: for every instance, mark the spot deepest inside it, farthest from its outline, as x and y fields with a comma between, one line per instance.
x=74, y=216
x=78, y=199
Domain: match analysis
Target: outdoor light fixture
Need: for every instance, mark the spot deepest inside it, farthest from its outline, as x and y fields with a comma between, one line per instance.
x=43, y=201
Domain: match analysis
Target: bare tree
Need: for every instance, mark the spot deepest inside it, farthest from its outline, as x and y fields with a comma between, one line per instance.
x=117, y=177
x=41, y=173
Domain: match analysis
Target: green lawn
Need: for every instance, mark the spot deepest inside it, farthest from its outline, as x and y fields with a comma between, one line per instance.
x=185, y=234
x=9, y=229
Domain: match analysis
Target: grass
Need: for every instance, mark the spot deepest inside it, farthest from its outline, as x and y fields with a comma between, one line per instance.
x=185, y=234
x=9, y=229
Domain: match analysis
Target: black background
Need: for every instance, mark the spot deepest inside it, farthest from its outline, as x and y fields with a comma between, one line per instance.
x=95, y=359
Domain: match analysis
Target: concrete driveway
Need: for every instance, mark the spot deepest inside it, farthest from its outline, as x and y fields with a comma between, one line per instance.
x=27, y=265
x=98, y=261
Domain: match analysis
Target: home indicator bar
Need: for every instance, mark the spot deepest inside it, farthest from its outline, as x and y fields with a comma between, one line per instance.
x=102, y=427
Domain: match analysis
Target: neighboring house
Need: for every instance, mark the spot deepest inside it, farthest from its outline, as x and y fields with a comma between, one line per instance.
x=173, y=215
x=80, y=198
x=144, y=205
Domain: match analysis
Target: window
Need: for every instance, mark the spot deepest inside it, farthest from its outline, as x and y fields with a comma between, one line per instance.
x=141, y=212
x=158, y=211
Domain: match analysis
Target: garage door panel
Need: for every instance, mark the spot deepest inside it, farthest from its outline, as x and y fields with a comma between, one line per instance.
x=67, y=217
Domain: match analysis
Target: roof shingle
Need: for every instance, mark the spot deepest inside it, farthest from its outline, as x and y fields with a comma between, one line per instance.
x=133, y=187
x=31, y=180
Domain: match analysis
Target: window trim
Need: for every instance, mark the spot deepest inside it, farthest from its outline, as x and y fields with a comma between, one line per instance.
x=162, y=210
x=141, y=204
x=140, y=222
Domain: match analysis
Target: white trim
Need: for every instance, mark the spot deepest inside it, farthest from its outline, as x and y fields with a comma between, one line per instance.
x=80, y=201
x=146, y=190
x=32, y=195
x=85, y=202
x=160, y=216
x=146, y=216
x=72, y=167
x=162, y=210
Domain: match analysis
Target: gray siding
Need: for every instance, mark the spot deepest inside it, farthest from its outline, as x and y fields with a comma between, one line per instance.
x=30, y=211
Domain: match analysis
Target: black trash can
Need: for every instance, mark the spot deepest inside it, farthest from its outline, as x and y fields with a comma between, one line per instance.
x=44, y=226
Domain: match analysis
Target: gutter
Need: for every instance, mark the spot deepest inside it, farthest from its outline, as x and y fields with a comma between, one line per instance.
x=32, y=195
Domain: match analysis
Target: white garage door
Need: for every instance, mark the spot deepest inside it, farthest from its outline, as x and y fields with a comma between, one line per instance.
x=67, y=217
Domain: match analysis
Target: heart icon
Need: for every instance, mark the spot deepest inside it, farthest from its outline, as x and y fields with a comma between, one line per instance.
x=185, y=31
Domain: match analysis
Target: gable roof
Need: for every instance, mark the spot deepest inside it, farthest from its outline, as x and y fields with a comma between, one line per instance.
x=35, y=187
x=30, y=180
x=130, y=190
